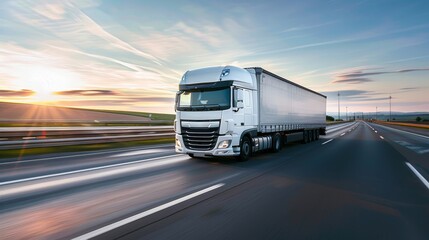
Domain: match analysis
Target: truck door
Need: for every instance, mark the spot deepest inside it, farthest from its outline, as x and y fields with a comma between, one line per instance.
x=248, y=109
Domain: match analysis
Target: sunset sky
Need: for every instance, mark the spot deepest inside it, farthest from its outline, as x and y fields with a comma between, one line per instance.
x=130, y=55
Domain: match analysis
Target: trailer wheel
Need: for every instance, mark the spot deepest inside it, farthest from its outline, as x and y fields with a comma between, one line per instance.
x=306, y=136
x=317, y=134
x=245, y=149
x=277, y=142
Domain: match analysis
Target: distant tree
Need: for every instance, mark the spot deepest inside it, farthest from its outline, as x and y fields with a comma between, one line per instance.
x=418, y=119
x=329, y=118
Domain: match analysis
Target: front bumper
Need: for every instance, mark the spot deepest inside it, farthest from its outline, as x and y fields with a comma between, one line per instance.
x=227, y=152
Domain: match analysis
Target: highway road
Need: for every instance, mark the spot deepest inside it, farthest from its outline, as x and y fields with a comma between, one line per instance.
x=360, y=181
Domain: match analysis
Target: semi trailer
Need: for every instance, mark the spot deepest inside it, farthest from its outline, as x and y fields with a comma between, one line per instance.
x=230, y=111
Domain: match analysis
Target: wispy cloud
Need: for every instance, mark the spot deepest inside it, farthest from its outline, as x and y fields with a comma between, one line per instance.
x=16, y=93
x=87, y=93
x=307, y=27
x=360, y=76
x=363, y=74
x=353, y=80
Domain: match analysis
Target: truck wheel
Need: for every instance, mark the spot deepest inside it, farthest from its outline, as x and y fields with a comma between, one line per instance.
x=245, y=149
x=317, y=134
x=306, y=136
x=277, y=143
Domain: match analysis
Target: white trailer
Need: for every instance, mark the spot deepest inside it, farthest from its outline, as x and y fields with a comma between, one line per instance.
x=231, y=111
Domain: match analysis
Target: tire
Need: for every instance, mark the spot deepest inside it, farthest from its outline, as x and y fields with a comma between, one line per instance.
x=245, y=149
x=317, y=134
x=306, y=136
x=277, y=143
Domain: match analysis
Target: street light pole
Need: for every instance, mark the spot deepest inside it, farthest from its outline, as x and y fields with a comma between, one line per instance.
x=390, y=107
x=338, y=106
x=376, y=112
x=347, y=114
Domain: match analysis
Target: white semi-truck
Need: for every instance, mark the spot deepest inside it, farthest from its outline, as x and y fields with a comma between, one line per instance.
x=232, y=111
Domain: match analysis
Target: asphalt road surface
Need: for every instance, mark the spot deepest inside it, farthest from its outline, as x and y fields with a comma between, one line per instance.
x=361, y=181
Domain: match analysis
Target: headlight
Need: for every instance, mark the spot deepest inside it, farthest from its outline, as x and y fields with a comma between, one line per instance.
x=224, y=144
x=178, y=143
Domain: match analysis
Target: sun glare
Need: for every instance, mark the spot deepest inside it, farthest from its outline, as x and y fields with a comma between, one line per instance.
x=46, y=80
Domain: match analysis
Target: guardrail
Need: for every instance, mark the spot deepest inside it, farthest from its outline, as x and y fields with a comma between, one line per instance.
x=32, y=137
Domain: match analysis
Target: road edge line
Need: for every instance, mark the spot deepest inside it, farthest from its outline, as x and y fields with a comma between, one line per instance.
x=422, y=179
x=146, y=213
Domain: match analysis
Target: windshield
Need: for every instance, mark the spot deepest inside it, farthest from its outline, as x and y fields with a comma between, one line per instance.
x=204, y=100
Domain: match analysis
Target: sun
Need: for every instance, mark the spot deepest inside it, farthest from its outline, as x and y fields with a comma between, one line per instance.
x=45, y=81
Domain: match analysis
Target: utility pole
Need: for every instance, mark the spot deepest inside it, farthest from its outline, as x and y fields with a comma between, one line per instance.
x=376, y=112
x=390, y=107
x=338, y=106
x=347, y=112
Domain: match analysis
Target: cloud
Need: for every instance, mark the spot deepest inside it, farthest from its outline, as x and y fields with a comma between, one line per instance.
x=360, y=76
x=87, y=93
x=153, y=99
x=409, y=88
x=346, y=93
x=19, y=93
x=353, y=80
x=363, y=74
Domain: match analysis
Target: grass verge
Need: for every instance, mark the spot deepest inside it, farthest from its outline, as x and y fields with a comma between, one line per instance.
x=17, y=153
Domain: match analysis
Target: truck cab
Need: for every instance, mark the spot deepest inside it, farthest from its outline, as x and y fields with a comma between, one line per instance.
x=215, y=107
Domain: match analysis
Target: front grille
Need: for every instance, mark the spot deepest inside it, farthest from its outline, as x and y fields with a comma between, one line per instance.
x=200, y=138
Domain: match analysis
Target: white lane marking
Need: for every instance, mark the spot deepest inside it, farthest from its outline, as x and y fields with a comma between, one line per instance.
x=15, y=189
x=424, y=181
x=375, y=131
x=327, y=141
x=81, y=155
x=82, y=170
x=147, y=151
x=424, y=151
x=415, y=134
x=334, y=129
x=342, y=134
x=410, y=146
x=381, y=137
x=128, y=220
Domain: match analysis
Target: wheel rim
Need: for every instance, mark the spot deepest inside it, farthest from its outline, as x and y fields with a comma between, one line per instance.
x=277, y=143
x=246, y=148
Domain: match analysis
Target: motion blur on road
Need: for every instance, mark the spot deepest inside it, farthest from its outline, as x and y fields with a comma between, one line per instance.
x=360, y=181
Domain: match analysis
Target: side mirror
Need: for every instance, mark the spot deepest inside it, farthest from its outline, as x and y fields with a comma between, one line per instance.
x=238, y=99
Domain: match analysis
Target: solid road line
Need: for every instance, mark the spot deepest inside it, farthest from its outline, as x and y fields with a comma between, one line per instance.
x=327, y=141
x=85, y=154
x=422, y=179
x=82, y=170
x=128, y=220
